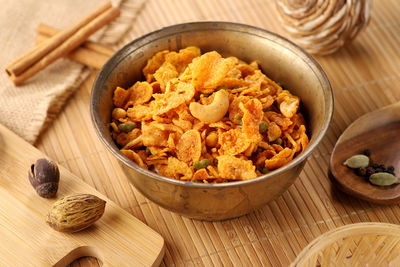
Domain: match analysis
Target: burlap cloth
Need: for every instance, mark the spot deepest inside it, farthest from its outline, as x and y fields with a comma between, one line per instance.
x=29, y=108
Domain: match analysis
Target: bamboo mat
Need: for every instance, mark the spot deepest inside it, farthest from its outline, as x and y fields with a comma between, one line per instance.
x=364, y=77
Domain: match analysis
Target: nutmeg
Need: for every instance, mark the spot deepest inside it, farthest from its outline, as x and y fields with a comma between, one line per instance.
x=44, y=177
x=75, y=212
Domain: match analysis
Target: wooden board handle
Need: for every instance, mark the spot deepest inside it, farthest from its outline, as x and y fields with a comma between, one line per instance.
x=83, y=251
x=117, y=239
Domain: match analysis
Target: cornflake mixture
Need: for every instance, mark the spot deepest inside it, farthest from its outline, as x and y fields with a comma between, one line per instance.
x=205, y=118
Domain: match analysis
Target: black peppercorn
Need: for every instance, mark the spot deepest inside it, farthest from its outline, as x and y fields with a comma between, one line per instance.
x=390, y=169
x=361, y=171
x=369, y=171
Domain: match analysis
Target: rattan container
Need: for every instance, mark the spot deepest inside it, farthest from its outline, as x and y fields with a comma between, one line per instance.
x=323, y=26
x=360, y=244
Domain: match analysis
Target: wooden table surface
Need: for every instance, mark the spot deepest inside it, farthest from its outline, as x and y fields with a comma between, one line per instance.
x=364, y=77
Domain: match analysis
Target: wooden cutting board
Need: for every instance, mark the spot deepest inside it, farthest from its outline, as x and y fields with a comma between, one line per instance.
x=117, y=239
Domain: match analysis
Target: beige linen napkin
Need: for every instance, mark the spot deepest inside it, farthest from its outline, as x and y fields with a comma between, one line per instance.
x=27, y=109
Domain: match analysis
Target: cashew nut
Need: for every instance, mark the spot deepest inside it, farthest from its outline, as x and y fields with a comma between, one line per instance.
x=212, y=112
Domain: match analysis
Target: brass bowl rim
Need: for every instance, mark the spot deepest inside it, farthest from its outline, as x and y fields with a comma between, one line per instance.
x=212, y=26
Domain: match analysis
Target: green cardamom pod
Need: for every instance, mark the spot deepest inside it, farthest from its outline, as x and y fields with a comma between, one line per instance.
x=383, y=179
x=357, y=161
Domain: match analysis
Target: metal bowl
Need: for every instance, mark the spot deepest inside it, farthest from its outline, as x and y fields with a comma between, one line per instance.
x=280, y=59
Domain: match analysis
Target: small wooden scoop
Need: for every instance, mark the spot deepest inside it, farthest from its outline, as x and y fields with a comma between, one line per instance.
x=378, y=131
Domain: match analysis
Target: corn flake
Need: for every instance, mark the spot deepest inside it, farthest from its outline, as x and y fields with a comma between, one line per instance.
x=288, y=103
x=182, y=59
x=303, y=140
x=246, y=69
x=280, y=159
x=188, y=148
x=234, y=109
x=209, y=70
x=230, y=167
x=139, y=93
x=130, y=154
x=154, y=63
x=220, y=124
x=157, y=152
x=170, y=139
x=166, y=102
x=183, y=124
x=164, y=74
x=120, y=97
x=153, y=135
x=279, y=119
x=177, y=169
x=233, y=142
x=139, y=113
x=274, y=131
x=252, y=117
x=201, y=174
x=184, y=89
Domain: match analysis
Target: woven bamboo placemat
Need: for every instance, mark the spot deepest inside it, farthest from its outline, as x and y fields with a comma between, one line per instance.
x=364, y=77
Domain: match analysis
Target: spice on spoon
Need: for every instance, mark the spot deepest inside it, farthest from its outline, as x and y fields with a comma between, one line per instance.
x=377, y=174
x=357, y=161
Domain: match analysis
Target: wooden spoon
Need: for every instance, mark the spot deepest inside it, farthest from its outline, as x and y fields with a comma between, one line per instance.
x=378, y=131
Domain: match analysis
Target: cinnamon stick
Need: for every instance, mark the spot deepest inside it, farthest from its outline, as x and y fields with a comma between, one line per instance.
x=89, y=53
x=60, y=44
x=48, y=31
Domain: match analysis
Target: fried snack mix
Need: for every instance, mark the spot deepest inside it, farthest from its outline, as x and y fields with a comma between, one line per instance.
x=208, y=119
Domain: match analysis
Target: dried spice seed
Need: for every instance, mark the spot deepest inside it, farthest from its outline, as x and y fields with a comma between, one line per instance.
x=44, y=176
x=370, y=171
x=127, y=126
x=238, y=119
x=361, y=171
x=278, y=141
x=76, y=212
x=357, y=161
x=383, y=179
x=262, y=169
x=390, y=169
x=201, y=164
x=259, y=150
x=263, y=127
x=375, y=165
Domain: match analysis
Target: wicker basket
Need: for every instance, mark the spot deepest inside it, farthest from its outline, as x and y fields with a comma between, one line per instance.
x=361, y=244
x=323, y=26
